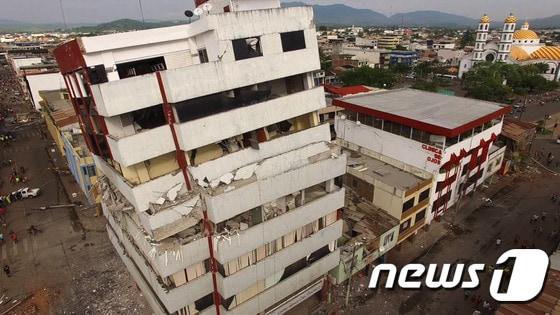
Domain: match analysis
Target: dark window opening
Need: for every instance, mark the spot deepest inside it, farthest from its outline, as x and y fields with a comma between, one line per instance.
x=466, y=135
x=441, y=201
x=294, y=84
x=203, y=55
x=478, y=129
x=318, y=254
x=293, y=41
x=452, y=141
x=445, y=183
x=294, y=268
x=420, y=216
x=350, y=115
x=393, y=127
x=148, y=118
x=97, y=74
x=408, y=204
x=103, y=146
x=424, y=195
x=246, y=48
x=204, y=302
x=419, y=135
x=405, y=225
x=141, y=67
x=221, y=102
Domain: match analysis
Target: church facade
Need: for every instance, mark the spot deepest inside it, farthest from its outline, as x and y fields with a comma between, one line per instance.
x=521, y=46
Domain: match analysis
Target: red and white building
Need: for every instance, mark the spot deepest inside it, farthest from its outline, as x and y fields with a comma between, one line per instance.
x=451, y=137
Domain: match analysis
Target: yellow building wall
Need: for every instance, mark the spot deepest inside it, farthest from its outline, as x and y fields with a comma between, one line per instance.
x=55, y=133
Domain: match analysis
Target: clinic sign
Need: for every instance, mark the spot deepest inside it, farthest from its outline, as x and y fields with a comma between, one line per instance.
x=435, y=154
x=526, y=280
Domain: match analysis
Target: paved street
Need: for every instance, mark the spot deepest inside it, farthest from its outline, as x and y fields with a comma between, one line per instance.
x=469, y=237
x=70, y=267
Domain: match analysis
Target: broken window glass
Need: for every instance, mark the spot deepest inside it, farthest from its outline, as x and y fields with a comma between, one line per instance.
x=246, y=48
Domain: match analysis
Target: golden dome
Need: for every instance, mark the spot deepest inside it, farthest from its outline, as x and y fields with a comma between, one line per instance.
x=518, y=53
x=511, y=19
x=525, y=34
x=485, y=19
x=547, y=53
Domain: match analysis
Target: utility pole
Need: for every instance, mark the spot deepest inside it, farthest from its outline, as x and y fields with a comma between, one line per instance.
x=348, y=288
x=63, y=15
x=141, y=11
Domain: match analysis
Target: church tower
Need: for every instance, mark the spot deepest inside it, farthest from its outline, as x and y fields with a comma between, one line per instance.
x=507, y=38
x=481, y=36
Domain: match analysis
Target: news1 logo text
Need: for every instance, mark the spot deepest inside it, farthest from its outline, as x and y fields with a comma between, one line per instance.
x=525, y=280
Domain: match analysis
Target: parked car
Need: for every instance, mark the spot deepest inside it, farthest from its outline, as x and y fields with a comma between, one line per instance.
x=26, y=192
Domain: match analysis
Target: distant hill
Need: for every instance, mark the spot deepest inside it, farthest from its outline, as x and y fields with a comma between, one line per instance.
x=549, y=22
x=124, y=25
x=340, y=14
x=336, y=14
x=431, y=18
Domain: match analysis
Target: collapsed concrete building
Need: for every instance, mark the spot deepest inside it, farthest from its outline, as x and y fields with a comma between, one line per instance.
x=219, y=181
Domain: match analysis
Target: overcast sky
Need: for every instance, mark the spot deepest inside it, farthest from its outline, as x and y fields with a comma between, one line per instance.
x=86, y=11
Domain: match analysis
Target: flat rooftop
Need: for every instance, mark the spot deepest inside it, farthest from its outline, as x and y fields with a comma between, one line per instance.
x=437, y=113
x=375, y=169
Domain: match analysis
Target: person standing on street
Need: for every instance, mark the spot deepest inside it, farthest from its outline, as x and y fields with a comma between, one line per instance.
x=13, y=236
x=7, y=270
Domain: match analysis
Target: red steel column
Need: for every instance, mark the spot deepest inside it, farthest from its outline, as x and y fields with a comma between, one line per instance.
x=183, y=165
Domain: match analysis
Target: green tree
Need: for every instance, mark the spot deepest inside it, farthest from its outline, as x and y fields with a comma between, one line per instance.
x=467, y=39
x=326, y=61
x=425, y=85
x=424, y=69
x=400, y=68
x=500, y=82
x=376, y=77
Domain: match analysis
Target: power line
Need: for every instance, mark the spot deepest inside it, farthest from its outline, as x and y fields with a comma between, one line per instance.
x=141, y=10
x=63, y=15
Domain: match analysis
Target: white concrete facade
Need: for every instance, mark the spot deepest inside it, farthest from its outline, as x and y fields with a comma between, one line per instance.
x=172, y=225
x=395, y=149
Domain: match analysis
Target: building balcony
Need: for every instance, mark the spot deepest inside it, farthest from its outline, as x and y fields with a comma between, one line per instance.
x=140, y=196
x=118, y=97
x=161, y=256
x=135, y=93
x=277, y=227
x=245, y=278
x=213, y=77
x=230, y=162
x=172, y=299
x=142, y=146
x=240, y=196
x=244, y=119
x=288, y=286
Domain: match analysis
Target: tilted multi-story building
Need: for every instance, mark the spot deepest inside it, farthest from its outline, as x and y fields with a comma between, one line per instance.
x=220, y=189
